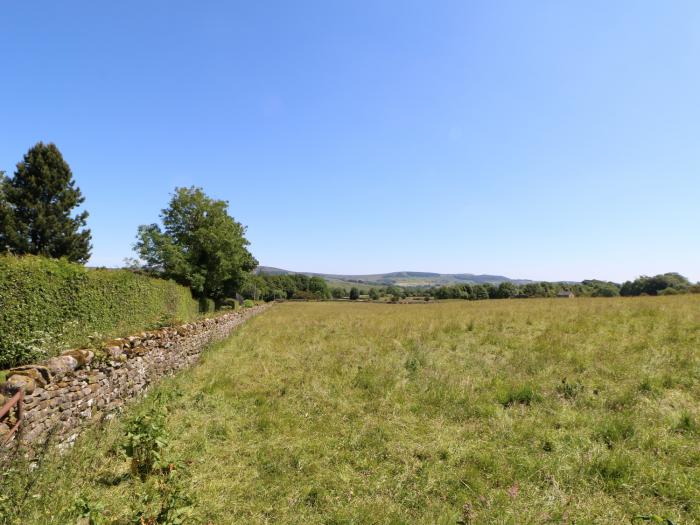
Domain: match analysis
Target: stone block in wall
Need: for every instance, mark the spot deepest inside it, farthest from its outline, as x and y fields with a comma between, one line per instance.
x=19, y=382
x=62, y=364
x=83, y=356
x=40, y=374
x=113, y=351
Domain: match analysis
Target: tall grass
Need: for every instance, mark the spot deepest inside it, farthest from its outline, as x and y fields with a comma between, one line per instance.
x=536, y=411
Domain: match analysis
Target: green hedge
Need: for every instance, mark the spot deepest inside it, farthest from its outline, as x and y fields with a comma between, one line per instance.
x=206, y=305
x=47, y=305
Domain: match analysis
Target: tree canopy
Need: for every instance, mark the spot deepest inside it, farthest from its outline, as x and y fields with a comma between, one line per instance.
x=289, y=286
x=656, y=284
x=36, y=207
x=200, y=245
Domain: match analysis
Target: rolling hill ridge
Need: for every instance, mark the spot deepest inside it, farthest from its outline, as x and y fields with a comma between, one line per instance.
x=401, y=278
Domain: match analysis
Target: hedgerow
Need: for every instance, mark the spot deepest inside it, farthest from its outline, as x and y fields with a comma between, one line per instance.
x=47, y=305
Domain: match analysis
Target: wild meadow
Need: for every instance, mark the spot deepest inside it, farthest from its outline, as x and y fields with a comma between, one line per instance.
x=512, y=411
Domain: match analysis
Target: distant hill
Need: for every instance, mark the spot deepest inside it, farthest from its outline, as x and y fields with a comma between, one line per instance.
x=400, y=278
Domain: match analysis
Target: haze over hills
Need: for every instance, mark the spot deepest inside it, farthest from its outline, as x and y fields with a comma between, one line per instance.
x=404, y=278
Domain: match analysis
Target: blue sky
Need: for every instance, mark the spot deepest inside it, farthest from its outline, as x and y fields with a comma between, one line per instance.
x=544, y=140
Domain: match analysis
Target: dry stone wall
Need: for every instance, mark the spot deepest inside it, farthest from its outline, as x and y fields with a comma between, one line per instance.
x=67, y=392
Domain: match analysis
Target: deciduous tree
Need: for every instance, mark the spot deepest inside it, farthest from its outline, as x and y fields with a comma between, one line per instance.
x=200, y=245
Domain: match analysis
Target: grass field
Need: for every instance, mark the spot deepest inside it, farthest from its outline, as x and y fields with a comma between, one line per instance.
x=515, y=411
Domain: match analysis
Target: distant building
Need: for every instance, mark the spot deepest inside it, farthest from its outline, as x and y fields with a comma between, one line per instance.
x=566, y=294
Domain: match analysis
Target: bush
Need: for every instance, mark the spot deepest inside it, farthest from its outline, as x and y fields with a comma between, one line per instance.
x=229, y=303
x=304, y=295
x=47, y=305
x=206, y=305
x=248, y=303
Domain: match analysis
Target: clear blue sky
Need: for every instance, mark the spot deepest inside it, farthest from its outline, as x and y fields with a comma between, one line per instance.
x=545, y=140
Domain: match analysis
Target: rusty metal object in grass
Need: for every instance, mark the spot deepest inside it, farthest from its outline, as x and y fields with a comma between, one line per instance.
x=16, y=402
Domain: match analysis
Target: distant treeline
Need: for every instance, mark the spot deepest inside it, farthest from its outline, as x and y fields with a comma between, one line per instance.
x=299, y=286
x=288, y=286
x=665, y=284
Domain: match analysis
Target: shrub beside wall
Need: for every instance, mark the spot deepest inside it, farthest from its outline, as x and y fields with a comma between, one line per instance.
x=47, y=305
x=206, y=305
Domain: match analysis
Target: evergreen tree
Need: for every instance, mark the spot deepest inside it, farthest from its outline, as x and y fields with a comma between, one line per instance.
x=354, y=294
x=7, y=237
x=36, y=207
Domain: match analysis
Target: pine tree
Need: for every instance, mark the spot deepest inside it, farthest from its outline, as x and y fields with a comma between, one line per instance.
x=36, y=207
x=7, y=238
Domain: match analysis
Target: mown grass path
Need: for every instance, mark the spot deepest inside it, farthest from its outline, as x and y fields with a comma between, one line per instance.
x=530, y=411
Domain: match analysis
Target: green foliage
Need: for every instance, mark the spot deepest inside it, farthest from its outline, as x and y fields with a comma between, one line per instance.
x=319, y=288
x=394, y=290
x=11, y=482
x=614, y=430
x=505, y=290
x=667, y=283
x=569, y=390
x=354, y=294
x=206, y=305
x=88, y=513
x=596, y=288
x=48, y=304
x=653, y=518
x=480, y=292
x=289, y=286
x=228, y=303
x=165, y=499
x=38, y=345
x=248, y=303
x=687, y=424
x=518, y=395
x=145, y=439
x=374, y=294
x=36, y=207
x=200, y=245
